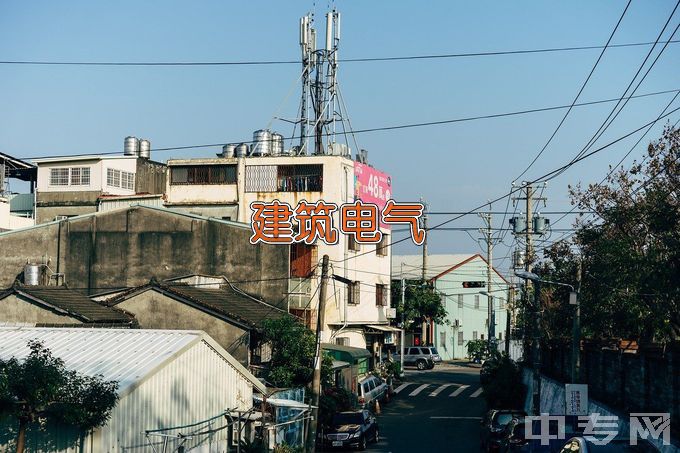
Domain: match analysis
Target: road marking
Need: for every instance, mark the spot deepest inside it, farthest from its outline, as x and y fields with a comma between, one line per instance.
x=402, y=387
x=418, y=390
x=439, y=389
x=456, y=418
x=458, y=391
x=477, y=393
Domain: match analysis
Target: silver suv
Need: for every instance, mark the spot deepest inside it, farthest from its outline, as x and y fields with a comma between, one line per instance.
x=419, y=356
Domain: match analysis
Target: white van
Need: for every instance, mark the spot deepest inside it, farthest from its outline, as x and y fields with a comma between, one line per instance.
x=371, y=389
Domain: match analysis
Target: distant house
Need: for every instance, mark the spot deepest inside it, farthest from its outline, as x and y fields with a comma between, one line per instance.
x=461, y=280
x=178, y=390
x=56, y=306
x=230, y=316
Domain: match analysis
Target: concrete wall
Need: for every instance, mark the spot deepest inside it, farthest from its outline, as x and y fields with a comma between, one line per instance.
x=66, y=203
x=150, y=177
x=127, y=247
x=15, y=309
x=154, y=310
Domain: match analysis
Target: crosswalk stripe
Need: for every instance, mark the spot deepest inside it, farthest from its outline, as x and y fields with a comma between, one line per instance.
x=402, y=387
x=418, y=390
x=477, y=393
x=458, y=391
x=440, y=389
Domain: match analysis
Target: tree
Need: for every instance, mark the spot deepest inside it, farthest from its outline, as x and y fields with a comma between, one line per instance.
x=421, y=302
x=293, y=349
x=630, y=255
x=40, y=389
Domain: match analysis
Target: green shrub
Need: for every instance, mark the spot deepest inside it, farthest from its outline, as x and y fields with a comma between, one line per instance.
x=501, y=380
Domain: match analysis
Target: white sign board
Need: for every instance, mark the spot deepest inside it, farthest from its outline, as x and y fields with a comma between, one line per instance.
x=576, y=399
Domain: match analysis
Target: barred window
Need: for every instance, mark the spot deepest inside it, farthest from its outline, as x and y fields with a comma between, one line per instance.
x=352, y=243
x=353, y=293
x=59, y=176
x=203, y=175
x=474, y=334
x=460, y=301
x=461, y=339
x=476, y=301
x=299, y=178
x=380, y=295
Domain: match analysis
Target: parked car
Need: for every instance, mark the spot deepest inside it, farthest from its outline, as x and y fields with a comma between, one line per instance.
x=514, y=438
x=351, y=429
x=493, y=425
x=371, y=389
x=417, y=356
x=582, y=445
x=436, y=358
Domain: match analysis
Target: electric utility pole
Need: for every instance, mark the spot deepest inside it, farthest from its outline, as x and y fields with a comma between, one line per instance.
x=425, y=332
x=316, y=380
x=576, y=331
x=488, y=238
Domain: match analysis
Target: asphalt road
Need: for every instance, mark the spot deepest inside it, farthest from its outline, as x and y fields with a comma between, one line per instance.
x=438, y=410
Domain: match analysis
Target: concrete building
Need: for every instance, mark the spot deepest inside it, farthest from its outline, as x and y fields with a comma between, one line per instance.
x=124, y=248
x=56, y=306
x=172, y=385
x=225, y=187
x=16, y=209
x=466, y=306
x=211, y=304
x=71, y=186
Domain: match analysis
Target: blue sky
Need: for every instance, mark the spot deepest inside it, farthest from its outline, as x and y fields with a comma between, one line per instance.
x=62, y=110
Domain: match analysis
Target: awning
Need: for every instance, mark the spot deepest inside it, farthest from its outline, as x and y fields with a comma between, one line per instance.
x=349, y=351
x=384, y=328
x=339, y=364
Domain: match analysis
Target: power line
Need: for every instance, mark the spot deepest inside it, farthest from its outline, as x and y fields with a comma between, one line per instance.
x=386, y=128
x=296, y=62
x=580, y=91
x=546, y=177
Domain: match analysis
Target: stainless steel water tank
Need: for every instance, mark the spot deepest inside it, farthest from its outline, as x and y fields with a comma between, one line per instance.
x=277, y=144
x=241, y=150
x=262, y=143
x=229, y=150
x=145, y=148
x=32, y=274
x=131, y=147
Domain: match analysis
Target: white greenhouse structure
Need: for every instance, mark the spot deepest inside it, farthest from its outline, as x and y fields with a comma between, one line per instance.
x=178, y=390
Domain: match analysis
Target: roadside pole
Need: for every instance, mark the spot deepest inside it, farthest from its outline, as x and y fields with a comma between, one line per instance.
x=536, y=350
x=576, y=332
x=403, y=326
x=316, y=381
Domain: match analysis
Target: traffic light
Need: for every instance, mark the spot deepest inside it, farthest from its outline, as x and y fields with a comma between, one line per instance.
x=475, y=284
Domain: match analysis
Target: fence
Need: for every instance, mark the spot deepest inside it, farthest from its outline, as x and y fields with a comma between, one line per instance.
x=626, y=377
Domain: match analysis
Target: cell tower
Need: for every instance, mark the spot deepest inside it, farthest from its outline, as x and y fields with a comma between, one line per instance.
x=318, y=107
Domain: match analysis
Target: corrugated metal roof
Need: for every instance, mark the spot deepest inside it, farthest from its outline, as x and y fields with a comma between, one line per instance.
x=122, y=355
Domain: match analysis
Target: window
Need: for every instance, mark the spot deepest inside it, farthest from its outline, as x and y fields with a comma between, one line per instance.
x=380, y=295
x=112, y=177
x=460, y=338
x=353, y=293
x=75, y=176
x=299, y=178
x=381, y=248
x=203, y=175
x=58, y=176
x=442, y=339
x=371, y=384
x=301, y=258
x=127, y=180
x=366, y=388
x=482, y=336
x=80, y=176
x=414, y=351
x=460, y=301
x=476, y=301
x=352, y=243
x=500, y=336
x=344, y=341
x=474, y=334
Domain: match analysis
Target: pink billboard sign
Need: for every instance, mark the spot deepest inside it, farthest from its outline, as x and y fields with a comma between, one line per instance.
x=372, y=186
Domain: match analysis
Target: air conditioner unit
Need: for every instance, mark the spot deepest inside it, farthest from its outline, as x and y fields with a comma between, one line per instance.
x=391, y=313
x=60, y=217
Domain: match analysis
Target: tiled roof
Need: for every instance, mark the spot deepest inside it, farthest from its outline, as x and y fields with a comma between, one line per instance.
x=226, y=301
x=72, y=302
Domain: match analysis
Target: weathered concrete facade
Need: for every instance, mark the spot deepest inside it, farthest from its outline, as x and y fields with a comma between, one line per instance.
x=22, y=311
x=154, y=310
x=125, y=248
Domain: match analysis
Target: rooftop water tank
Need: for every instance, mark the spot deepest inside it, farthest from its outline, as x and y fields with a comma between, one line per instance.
x=277, y=144
x=144, y=148
x=262, y=143
x=228, y=150
x=131, y=147
x=32, y=274
x=241, y=150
